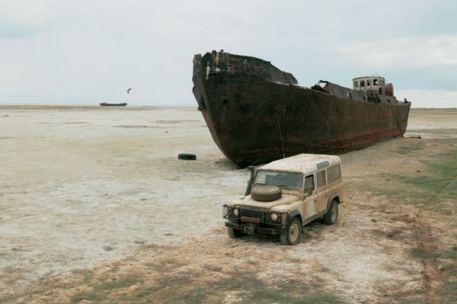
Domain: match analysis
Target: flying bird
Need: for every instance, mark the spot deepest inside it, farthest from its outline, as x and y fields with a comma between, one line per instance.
x=128, y=91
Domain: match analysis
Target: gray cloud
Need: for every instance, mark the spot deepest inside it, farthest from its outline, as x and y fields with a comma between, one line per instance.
x=24, y=18
x=90, y=51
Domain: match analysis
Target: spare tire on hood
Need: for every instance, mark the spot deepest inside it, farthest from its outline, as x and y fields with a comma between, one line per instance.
x=266, y=193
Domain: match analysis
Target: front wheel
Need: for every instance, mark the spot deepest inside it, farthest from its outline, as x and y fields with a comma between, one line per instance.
x=331, y=217
x=234, y=234
x=291, y=236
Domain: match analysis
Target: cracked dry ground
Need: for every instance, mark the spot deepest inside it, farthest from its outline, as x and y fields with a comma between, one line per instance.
x=395, y=241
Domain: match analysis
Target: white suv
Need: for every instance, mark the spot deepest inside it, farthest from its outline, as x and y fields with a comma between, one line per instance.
x=287, y=194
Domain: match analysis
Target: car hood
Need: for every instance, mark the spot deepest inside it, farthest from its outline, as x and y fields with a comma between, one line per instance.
x=249, y=201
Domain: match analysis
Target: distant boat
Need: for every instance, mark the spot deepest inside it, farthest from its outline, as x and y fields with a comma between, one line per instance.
x=105, y=104
x=257, y=113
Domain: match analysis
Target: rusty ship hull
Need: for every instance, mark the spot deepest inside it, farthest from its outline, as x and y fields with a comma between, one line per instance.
x=257, y=113
x=105, y=104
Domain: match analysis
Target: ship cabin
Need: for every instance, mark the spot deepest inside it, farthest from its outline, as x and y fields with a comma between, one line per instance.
x=368, y=88
x=372, y=85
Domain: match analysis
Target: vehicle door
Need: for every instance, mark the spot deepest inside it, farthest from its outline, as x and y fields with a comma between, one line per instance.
x=311, y=198
x=322, y=190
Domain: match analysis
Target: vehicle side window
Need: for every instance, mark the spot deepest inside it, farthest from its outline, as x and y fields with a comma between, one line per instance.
x=334, y=173
x=309, y=185
x=320, y=178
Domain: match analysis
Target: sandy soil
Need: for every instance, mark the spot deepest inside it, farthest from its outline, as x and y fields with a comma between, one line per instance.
x=82, y=188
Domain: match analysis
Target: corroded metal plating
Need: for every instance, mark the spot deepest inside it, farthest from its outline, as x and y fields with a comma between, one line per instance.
x=257, y=113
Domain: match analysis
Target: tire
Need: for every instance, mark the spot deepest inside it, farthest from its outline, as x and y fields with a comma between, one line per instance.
x=234, y=234
x=292, y=234
x=187, y=156
x=266, y=193
x=331, y=217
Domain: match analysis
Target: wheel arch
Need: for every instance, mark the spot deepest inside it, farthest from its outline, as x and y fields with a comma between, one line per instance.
x=331, y=198
x=295, y=213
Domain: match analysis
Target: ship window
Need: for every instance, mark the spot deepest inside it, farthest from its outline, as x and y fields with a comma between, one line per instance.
x=362, y=83
x=349, y=94
x=356, y=84
x=375, y=82
x=368, y=83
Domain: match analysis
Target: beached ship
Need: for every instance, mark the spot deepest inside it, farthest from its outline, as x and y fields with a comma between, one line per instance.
x=257, y=113
x=105, y=104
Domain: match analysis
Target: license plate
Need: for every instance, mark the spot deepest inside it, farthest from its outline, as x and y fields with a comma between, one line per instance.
x=250, y=228
x=250, y=219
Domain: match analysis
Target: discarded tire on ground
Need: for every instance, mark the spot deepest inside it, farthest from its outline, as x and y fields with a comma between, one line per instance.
x=266, y=193
x=187, y=156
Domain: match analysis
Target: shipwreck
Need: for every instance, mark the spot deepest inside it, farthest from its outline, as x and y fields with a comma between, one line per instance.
x=105, y=104
x=257, y=113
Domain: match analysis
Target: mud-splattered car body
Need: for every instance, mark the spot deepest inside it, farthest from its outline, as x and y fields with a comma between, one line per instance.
x=287, y=194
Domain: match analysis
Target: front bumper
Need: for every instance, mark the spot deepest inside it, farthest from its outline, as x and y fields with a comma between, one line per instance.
x=251, y=228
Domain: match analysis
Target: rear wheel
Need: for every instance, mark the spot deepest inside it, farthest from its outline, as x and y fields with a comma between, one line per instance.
x=331, y=217
x=291, y=236
x=233, y=233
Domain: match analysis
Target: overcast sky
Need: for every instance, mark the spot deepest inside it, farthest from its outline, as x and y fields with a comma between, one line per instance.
x=83, y=52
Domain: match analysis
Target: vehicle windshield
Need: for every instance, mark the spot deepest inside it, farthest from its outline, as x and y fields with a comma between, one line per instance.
x=286, y=180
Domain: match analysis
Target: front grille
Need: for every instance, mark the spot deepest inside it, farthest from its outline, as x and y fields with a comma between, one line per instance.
x=265, y=217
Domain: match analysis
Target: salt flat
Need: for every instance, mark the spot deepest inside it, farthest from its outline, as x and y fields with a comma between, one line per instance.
x=87, y=186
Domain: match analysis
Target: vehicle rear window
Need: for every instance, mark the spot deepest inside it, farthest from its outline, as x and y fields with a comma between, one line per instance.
x=334, y=173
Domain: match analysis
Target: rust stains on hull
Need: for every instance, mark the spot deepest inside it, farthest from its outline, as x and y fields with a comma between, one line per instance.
x=257, y=113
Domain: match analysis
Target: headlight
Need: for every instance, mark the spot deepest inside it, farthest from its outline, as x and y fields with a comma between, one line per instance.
x=224, y=210
x=274, y=216
x=235, y=211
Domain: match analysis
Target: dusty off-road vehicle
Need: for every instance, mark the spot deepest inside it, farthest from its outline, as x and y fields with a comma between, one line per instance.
x=285, y=195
